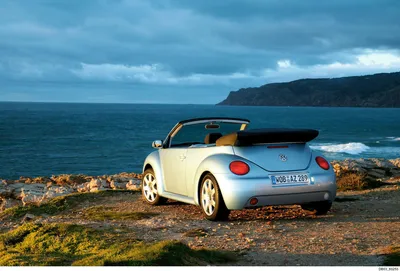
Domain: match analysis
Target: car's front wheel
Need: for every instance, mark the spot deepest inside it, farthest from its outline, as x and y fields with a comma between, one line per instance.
x=320, y=208
x=149, y=188
x=211, y=200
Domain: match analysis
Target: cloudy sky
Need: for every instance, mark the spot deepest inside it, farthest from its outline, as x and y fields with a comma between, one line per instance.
x=185, y=51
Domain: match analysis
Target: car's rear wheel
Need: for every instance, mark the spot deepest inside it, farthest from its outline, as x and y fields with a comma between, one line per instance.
x=211, y=200
x=149, y=188
x=321, y=208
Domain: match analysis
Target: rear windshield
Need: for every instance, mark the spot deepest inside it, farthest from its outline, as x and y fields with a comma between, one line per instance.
x=196, y=133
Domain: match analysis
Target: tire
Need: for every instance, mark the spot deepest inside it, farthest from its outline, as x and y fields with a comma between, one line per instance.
x=149, y=188
x=321, y=208
x=211, y=200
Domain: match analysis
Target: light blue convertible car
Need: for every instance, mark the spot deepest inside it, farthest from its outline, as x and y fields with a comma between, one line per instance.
x=220, y=165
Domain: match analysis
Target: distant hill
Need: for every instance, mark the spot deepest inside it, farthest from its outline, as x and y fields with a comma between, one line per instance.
x=378, y=90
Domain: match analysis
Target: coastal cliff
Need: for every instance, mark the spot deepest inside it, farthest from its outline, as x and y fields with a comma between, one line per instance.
x=378, y=90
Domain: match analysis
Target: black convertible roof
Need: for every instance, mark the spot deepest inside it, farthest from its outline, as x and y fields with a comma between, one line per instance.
x=213, y=118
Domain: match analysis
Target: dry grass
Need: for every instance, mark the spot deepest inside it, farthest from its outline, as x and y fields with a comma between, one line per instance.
x=356, y=181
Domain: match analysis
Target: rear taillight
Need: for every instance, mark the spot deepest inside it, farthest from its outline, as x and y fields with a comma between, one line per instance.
x=239, y=167
x=322, y=162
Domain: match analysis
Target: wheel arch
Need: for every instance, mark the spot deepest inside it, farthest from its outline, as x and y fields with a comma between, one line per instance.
x=216, y=163
x=153, y=161
x=199, y=184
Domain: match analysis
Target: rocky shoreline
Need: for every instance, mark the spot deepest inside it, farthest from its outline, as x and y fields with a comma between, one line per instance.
x=37, y=190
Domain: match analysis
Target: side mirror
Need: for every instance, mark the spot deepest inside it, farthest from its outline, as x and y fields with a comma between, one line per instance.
x=157, y=144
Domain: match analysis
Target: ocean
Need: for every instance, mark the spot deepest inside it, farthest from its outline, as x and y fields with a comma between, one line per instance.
x=44, y=139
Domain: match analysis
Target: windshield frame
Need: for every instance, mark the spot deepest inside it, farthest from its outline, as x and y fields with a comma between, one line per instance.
x=167, y=142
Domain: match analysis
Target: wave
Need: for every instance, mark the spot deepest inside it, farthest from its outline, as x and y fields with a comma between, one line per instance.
x=350, y=148
x=392, y=138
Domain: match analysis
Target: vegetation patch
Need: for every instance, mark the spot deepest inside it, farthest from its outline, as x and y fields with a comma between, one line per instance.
x=393, y=256
x=57, y=205
x=66, y=244
x=356, y=181
x=101, y=213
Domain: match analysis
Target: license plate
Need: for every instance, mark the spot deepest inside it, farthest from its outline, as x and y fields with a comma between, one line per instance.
x=300, y=178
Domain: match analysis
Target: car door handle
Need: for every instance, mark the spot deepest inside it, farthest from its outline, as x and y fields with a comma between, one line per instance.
x=182, y=157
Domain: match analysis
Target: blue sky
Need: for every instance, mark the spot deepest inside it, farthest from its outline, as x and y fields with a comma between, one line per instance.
x=184, y=51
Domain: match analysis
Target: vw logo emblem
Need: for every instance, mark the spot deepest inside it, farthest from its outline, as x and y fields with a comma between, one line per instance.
x=283, y=157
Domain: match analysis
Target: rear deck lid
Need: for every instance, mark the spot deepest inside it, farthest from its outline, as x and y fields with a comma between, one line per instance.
x=277, y=157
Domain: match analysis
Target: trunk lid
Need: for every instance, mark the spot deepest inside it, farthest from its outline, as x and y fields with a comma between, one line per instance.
x=277, y=157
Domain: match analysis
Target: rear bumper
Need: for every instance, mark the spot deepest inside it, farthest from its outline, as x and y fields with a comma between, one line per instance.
x=238, y=190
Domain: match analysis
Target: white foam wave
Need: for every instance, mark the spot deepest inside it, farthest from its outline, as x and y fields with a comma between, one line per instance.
x=350, y=148
x=392, y=138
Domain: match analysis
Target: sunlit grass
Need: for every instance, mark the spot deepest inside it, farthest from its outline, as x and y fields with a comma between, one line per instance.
x=101, y=213
x=58, y=204
x=65, y=244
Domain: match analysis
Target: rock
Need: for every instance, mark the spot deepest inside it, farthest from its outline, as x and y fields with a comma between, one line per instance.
x=134, y=184
x=98, y=185
x=32, y=193
x=6, y=203
x=118, y=185
x=70, y=179
x=85, y=187
x=55, y=191
x=377, y=173
x=16, y=189
x=28, y=217
x=118, y=182
x=395, y=172
x=395, y=162
x=5, y=191
x=27, y=198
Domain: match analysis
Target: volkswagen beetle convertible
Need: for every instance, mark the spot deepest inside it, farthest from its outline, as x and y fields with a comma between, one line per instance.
x=220, y=165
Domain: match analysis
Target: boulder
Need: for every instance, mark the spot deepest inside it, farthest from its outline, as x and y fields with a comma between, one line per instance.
x=28, y=218
x=5, y=191
x=22, y=189
x=118, y=185
x=27, y=198
x=6, y=203
x=99, y=185
x=55, y=191
x=85, y=187
x=117, y=182
x=377, y=173
x=382, y=163
x=395, y=162
x=134, y=184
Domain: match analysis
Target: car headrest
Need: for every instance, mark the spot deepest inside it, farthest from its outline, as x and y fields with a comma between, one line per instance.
x=227, y=140
x=211, y=138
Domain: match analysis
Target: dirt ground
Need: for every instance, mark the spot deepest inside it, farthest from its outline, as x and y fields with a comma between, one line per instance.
x=357, y=230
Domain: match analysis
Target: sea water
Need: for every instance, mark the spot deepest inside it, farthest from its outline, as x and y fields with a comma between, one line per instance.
x=41, y=139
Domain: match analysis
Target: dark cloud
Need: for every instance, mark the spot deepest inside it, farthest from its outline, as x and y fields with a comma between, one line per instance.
x=188, y=46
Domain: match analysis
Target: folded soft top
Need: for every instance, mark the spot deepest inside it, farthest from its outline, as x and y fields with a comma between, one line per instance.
x=267, y=135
